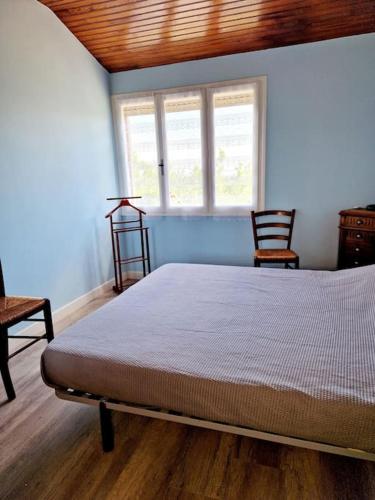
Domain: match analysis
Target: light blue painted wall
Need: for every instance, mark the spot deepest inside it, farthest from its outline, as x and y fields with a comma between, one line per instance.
x=56, y=157
x=320, y=146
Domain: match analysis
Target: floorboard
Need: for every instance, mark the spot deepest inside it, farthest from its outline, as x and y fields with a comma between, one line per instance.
x=50, y=449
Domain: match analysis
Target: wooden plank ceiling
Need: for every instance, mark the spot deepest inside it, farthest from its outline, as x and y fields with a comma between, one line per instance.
x=129, y=34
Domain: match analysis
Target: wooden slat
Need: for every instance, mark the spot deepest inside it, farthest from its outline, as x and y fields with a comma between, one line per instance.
x=272, y=9
x=195, y=27
x=128, y=34
x=185, y=26
x=265, y=225
x=131, y=63
x=273, y=237
x=180, y=48
x=108, y=12
x=190, y=10
x=280, y=213
x=77, y=5
x=240, y=8
x=137, y=63
x=228, y=32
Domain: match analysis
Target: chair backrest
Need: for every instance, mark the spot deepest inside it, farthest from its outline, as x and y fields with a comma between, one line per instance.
x=288, y=226
x=2, y=287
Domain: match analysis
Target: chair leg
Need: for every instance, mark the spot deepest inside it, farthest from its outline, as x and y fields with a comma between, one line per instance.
x=297, y=263
x=4, y=368
x=48, y=320
x=256, y=263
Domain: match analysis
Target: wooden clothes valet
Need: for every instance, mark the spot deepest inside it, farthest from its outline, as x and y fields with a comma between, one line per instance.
x=135, y=225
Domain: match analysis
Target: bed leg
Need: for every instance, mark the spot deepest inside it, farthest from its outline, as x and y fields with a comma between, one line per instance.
x=106, y=427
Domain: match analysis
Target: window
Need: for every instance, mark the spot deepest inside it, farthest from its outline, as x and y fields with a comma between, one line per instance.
x=196, y=150
x=141, y=149
x=183, y=149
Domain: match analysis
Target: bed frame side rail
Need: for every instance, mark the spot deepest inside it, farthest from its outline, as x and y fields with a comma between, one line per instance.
x=107, y=433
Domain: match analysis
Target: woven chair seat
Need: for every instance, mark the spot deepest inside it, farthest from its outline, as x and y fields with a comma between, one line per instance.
x=275, y=254
x=13, y=308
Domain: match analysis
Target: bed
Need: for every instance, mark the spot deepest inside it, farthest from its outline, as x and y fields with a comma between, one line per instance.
x=281, y=355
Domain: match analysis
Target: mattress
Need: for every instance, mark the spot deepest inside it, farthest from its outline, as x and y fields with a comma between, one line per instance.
x=290, y=352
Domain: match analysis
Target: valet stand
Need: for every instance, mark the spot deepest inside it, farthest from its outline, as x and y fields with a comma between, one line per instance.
x=128, y=226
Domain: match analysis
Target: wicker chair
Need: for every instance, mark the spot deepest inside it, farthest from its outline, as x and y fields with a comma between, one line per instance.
x=284, y=256
x=13, y=310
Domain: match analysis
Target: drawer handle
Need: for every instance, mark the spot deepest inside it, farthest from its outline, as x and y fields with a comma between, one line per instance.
x=359, y=222
x=356, y=263
x=357, y=249
x=358, y=236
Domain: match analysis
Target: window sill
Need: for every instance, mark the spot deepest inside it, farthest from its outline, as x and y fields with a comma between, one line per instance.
x=229, y=213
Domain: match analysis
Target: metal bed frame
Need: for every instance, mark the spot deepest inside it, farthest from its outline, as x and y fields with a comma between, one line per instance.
x=107, y=405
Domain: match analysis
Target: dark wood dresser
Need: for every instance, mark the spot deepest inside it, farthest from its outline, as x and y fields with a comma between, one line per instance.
x=357, y=238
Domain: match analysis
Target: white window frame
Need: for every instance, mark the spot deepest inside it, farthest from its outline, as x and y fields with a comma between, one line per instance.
x=260, y=85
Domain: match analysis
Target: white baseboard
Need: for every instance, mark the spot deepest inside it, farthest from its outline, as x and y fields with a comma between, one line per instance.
x=70, y=308
x=134, y=275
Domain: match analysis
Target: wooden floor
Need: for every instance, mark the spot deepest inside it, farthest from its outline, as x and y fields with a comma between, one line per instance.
x=50, y=449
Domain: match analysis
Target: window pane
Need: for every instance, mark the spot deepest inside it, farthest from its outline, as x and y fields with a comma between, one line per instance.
x=184, y=149
x=142, y=157
x=234, y=145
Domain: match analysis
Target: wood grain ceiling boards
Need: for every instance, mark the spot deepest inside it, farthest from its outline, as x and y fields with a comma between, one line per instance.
x=130, y=34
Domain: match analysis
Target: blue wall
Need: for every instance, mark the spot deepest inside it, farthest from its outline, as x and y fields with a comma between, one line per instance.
x=56, y=157
x=57, y=165
x=320, y=146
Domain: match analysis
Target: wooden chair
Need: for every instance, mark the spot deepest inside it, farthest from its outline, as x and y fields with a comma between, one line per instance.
x=284, y=256
x=12, y=311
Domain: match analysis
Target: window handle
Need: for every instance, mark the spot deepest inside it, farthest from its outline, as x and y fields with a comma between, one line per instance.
x=161, y=165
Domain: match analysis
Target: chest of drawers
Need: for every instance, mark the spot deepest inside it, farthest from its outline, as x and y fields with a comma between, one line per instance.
x=357, y=238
